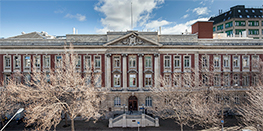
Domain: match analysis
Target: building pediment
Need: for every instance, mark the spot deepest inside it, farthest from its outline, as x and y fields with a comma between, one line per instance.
x=132, y=39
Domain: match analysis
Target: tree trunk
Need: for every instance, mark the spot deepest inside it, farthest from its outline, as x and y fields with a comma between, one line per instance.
x=72, y=124
x=66, y=119
x=181, y=127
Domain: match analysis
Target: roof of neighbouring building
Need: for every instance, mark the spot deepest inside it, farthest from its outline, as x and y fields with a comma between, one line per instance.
x=238, y=11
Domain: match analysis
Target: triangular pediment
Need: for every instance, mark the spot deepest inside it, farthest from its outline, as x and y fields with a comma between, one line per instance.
x=132, y=39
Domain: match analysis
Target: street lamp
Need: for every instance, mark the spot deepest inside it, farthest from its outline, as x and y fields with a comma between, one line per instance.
x=19, y=111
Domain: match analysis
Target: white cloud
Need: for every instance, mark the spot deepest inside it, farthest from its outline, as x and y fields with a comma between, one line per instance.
x=118, y=13
x=79, y=17
x=59, y=11
x=180, y=28
x=185, y=16
x=201, y=10
x=156, y=23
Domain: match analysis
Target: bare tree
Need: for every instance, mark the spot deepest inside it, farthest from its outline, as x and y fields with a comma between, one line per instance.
x=251, y=107
x=47, y=95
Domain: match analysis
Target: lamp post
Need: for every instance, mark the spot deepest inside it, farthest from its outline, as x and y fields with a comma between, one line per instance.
x=19, y=111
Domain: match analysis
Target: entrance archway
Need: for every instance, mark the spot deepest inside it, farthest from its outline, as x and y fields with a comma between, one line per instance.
x=133, y=103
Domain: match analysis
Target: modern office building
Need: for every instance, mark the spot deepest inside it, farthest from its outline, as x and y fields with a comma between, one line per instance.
x=131, y=62
x=239, y=20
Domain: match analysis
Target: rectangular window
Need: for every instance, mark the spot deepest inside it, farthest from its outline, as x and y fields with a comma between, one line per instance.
x=255, y=61
x=245, y=80
x=226, y=80
x=132, y=80
x=167, y=61
x=216, y=61
x=253, y=32
x=117, y=80
x=37, y=61
x=87, y=64
x=116, y=61
x=240, y=23
x=229, y=32
x=245, y=61
x=98, y=80
x=17, y=62
x=59, y=61
x=177, y=80
x=187, y=62
x=205, y=61
x=177, y=61
x=46, y=61
x=236, y=61
x=7, y=61
x=229, y=24
x=236, y=99
x=167, y=80
x=148, y=61
x=132, y=61
x=27, y=61
x=78, y=61
x=217, y=80
x=220, y=27
x=253, y=23
x=214, y=29
x=148, y=80
x=236, y=80
x=226, y=61
x=255, y=80
x=205, y=80
x=97, y=61
x=7, y=79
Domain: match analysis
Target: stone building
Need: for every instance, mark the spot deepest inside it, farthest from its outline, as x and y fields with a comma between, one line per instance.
x=131, y=62
x=239, y=20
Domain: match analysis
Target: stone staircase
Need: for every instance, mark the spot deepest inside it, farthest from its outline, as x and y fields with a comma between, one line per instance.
x=132, y=120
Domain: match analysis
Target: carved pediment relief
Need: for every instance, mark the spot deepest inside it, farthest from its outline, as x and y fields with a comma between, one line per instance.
x=132, y=39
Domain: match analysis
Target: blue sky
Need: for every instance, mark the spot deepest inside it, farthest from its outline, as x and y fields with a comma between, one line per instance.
x=58, y=17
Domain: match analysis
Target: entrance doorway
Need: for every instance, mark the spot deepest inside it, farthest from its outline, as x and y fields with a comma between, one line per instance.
x=133, y=103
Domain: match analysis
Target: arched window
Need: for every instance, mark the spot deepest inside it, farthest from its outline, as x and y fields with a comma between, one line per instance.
x=117, y=101
x=148, y=101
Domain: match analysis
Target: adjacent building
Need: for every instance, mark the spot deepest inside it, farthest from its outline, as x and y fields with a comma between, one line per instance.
x=240, y=21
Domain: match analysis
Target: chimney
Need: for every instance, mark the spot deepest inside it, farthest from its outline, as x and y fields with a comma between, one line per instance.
x=160, y=30
x=204, y=29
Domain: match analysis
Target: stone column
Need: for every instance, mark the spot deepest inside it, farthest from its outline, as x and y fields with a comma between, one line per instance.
x=156, y=70
x=124, y=70
x=108, y=77
x=196, y=69
x=140, y=72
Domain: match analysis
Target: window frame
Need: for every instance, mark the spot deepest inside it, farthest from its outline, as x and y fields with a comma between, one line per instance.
x=5, y=62
x=135, y=78
x=245, y=80
x=179, y=61
x=243, y=64
x=118, y=78
x=97, y=62
x=78, y=61
x=87, y=62
x=236, y=62
x=226, y=60
x=217, y=63
x=189, y=61
x=132, y=61
x=25, y=61
x=58, y=62
x=205, y=61
x=15, y=62
x=35, y=61
x=148, y=59
x=167, y=61
x=46, y=64
x=116, y=61
x=226, y=80
x=148, y=80
x=148, y=101
x=117, y=101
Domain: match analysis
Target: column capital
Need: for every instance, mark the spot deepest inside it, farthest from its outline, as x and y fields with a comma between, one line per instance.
x=156, y=55
x=108, y=55
x=124, y=55
x=140, y=55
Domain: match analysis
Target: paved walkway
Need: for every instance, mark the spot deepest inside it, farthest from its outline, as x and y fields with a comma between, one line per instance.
x=165, y=125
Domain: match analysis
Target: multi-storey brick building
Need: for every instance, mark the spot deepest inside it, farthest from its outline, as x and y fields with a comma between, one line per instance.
x=130, y=62
x=239, y=19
